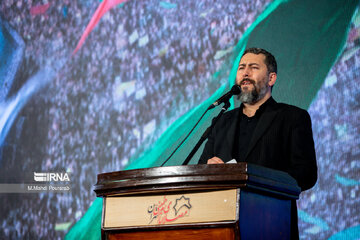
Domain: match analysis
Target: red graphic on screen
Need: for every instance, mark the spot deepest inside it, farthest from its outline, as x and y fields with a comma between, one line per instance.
x=165, y=211
x=103, y=8
x=39, y=9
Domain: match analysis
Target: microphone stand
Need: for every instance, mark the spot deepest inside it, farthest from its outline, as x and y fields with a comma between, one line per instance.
x=206, y=133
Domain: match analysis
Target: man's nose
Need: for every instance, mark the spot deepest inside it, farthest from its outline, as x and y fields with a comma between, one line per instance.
x=246, y=72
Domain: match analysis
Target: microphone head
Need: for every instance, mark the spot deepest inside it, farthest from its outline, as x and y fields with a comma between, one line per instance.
x=235, y=90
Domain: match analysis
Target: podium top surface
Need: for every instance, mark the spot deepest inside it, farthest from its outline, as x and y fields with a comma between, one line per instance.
x=197, y=177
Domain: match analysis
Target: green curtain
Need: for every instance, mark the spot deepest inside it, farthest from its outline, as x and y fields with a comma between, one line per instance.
x=305, y=36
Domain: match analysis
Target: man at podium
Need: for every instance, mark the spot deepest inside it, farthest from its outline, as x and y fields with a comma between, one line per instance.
x=262, y=131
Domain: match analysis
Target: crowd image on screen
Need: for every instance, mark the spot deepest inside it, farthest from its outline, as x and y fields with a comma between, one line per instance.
x=336, y=131
x=144, y=65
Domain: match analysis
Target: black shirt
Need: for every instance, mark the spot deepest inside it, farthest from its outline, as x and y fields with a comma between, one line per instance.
x=244, y=131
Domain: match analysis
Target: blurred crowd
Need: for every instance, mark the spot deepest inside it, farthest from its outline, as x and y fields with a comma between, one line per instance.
x=335, y=114
x=144, y=65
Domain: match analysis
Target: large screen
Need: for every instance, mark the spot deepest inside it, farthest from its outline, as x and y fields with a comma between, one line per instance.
x=96, y=86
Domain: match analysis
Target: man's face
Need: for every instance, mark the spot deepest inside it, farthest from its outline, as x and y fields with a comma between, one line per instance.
x=253, y=78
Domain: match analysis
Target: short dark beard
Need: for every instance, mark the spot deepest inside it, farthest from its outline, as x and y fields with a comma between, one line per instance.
x=249, y=97
x=253, y=96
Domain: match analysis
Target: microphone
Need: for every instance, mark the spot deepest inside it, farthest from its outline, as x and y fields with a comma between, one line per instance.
x=235, y=90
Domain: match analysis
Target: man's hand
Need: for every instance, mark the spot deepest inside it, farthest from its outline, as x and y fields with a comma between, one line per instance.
x=215, y=160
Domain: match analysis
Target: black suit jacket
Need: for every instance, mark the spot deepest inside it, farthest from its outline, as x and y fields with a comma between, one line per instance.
x=282, y=140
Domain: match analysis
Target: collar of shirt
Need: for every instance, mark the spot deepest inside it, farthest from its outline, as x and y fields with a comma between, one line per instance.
x=259, y=111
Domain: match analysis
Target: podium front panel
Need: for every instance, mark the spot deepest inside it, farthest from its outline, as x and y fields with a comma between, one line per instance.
x=170, y=209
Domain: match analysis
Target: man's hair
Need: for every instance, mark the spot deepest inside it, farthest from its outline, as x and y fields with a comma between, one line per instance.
x=270, y=61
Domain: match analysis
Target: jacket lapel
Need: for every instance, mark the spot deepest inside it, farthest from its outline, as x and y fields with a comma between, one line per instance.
x=264, y=123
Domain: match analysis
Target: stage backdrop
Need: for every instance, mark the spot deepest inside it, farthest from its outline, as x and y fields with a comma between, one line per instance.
x=93, y=86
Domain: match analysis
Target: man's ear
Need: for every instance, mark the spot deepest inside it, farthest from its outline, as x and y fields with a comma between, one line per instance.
x=272, y=78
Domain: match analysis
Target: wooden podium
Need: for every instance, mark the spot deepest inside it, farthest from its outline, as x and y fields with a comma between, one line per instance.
x=220, y=201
